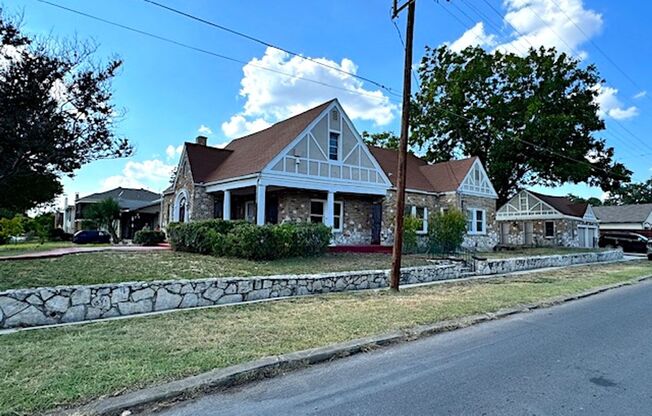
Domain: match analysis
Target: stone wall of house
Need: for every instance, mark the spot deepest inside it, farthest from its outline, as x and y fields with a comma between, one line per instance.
x=566, y=233
x=202, y=204
x=488, y=240
x=62, y=304
x=488, y=267
x=356, y=225
x=429, y=201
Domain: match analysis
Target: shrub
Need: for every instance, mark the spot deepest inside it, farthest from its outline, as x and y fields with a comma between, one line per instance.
x=446, y=232
x=147, y=237
x=244, y=240
x=11, y=227
x=410, y=239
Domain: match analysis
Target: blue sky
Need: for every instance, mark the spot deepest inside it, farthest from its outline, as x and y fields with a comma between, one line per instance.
x=171, y=94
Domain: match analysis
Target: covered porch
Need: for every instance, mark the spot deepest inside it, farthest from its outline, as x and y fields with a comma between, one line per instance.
x=354, y=216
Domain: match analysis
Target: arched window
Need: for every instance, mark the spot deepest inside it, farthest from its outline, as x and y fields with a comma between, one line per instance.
x=182, y=209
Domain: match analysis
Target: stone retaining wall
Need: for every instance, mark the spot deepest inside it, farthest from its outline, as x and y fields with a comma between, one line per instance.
x=62, y=304
x=487, y=267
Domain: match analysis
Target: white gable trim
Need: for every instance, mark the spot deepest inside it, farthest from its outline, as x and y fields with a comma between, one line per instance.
x=344, y=118
x=551, y=214
x=491, y=194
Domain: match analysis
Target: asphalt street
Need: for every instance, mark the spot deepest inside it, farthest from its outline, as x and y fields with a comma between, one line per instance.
x=588, y=357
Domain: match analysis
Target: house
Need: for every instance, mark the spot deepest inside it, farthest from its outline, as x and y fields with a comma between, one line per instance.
x=139, y=208
x=634, y=218
x=316, y=167
x=534, y=219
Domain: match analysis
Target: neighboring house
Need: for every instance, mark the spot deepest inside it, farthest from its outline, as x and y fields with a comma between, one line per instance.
x=634, y=218
x=139, y=208
x=534, y=219
x=316, y=167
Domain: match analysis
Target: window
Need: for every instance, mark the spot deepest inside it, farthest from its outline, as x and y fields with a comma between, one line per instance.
x=338, y=216
x=318, y=208
x=182, y=209
x=549, y=229
x=522, y=202
x=334, y=146
x=421, y=213
x=476, y=221
x=250, y=211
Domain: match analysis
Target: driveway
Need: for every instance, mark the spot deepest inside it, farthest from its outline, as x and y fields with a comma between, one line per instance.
x=588, y=357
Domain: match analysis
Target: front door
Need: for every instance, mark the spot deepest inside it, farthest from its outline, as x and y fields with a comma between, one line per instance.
x=376, y=222
x=504, y=232
x=529, y=233
x=271, y=210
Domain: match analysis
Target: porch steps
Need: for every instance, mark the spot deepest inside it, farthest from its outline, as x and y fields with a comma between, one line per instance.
x=361, y=249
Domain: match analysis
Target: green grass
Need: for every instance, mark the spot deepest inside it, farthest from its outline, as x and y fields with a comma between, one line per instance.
x=536, y=251
x=47, y=368
x=12, y=249
x=111, y=267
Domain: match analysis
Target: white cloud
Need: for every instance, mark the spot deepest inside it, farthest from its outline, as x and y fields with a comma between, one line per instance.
x=550, y=23
x=239, y=126
x=641, y=94
x=611, y=106
x=271, y=97
x=149, y=174
x=173, y=152
x=205, y=130
x=475, y=36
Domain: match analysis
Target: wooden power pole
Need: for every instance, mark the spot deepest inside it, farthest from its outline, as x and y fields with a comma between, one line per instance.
x=403, y=144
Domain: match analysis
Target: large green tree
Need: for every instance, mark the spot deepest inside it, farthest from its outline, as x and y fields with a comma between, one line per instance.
x=631, y=193
x=531, y=119
x=105, y=215
x=385, y=139
x=56, y=115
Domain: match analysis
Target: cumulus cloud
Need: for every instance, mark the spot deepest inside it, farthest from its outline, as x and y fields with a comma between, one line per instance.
x=271, y=97
x=172, y=152
x=205, y=130
x=611, y=106
x=475, y=36
x=149, y=174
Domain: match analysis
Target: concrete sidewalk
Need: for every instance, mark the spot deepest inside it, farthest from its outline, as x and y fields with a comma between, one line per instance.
x=59, y=252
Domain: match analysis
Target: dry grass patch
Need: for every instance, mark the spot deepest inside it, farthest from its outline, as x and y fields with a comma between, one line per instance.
x=46, y=368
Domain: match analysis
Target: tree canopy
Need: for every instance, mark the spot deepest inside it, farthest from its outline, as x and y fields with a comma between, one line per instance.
x=104, y=214
x=631, y=193
x=530, y=119
x=56, y=115
x=385, y=139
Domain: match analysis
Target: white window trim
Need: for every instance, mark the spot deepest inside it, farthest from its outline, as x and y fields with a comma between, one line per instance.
x=554, y=230
x=474, y=222
x=247, y=205
x=323, y=201
x=413, y=213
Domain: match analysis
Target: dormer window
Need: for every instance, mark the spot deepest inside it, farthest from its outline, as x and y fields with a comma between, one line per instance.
x=334, y=146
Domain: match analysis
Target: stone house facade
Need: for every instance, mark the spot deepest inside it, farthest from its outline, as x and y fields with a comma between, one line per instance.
x=534, y=219
x=316, y=167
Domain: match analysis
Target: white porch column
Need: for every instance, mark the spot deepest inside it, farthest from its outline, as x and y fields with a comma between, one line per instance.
x=260, y=204
x=226, y=206
x=329, y=209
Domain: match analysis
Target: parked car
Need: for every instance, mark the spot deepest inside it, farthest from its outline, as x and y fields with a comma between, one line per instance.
x=630, y=242
x=91, y=236
x=649, y=250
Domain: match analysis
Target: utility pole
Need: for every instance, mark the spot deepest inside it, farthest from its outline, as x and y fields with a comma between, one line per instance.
x=403, y=143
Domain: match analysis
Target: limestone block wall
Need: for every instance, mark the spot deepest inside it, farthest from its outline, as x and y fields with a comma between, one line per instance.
x=487, y=267
x=62, y=304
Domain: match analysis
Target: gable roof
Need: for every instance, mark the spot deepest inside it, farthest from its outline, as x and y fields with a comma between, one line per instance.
x=637, y=213
x=563, y=204
x=421, y=176
x=121, y=194
x=248, y=154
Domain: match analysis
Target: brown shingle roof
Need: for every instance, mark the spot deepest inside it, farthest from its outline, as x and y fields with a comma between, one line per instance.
x=563, y=204
x=249, y=154
x=438, y=177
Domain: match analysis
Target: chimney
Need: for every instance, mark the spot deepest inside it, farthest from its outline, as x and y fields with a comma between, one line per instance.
x=76, y=196
x=202, y=140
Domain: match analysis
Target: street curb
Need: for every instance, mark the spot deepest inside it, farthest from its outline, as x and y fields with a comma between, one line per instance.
x=271, y=366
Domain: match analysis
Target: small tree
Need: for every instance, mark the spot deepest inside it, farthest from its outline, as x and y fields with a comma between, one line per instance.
x=104, y=214
x=446, y=231
x=10, y=227
x=410, y=239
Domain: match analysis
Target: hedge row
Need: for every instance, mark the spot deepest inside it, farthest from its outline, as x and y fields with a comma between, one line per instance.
x=244, y=240
x=147, y=237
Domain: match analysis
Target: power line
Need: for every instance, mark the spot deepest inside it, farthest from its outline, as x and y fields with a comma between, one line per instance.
x=400, y=38
x=211, y=53
x=268, y=44
x=509, y=23
x=595, y=45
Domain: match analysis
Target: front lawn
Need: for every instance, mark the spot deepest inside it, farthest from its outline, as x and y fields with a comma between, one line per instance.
x=46, y=368
x=112, y=267
x=536, y=251
x=12, y=249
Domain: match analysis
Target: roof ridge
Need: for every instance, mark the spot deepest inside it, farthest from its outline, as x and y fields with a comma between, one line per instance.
x=284, y=120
